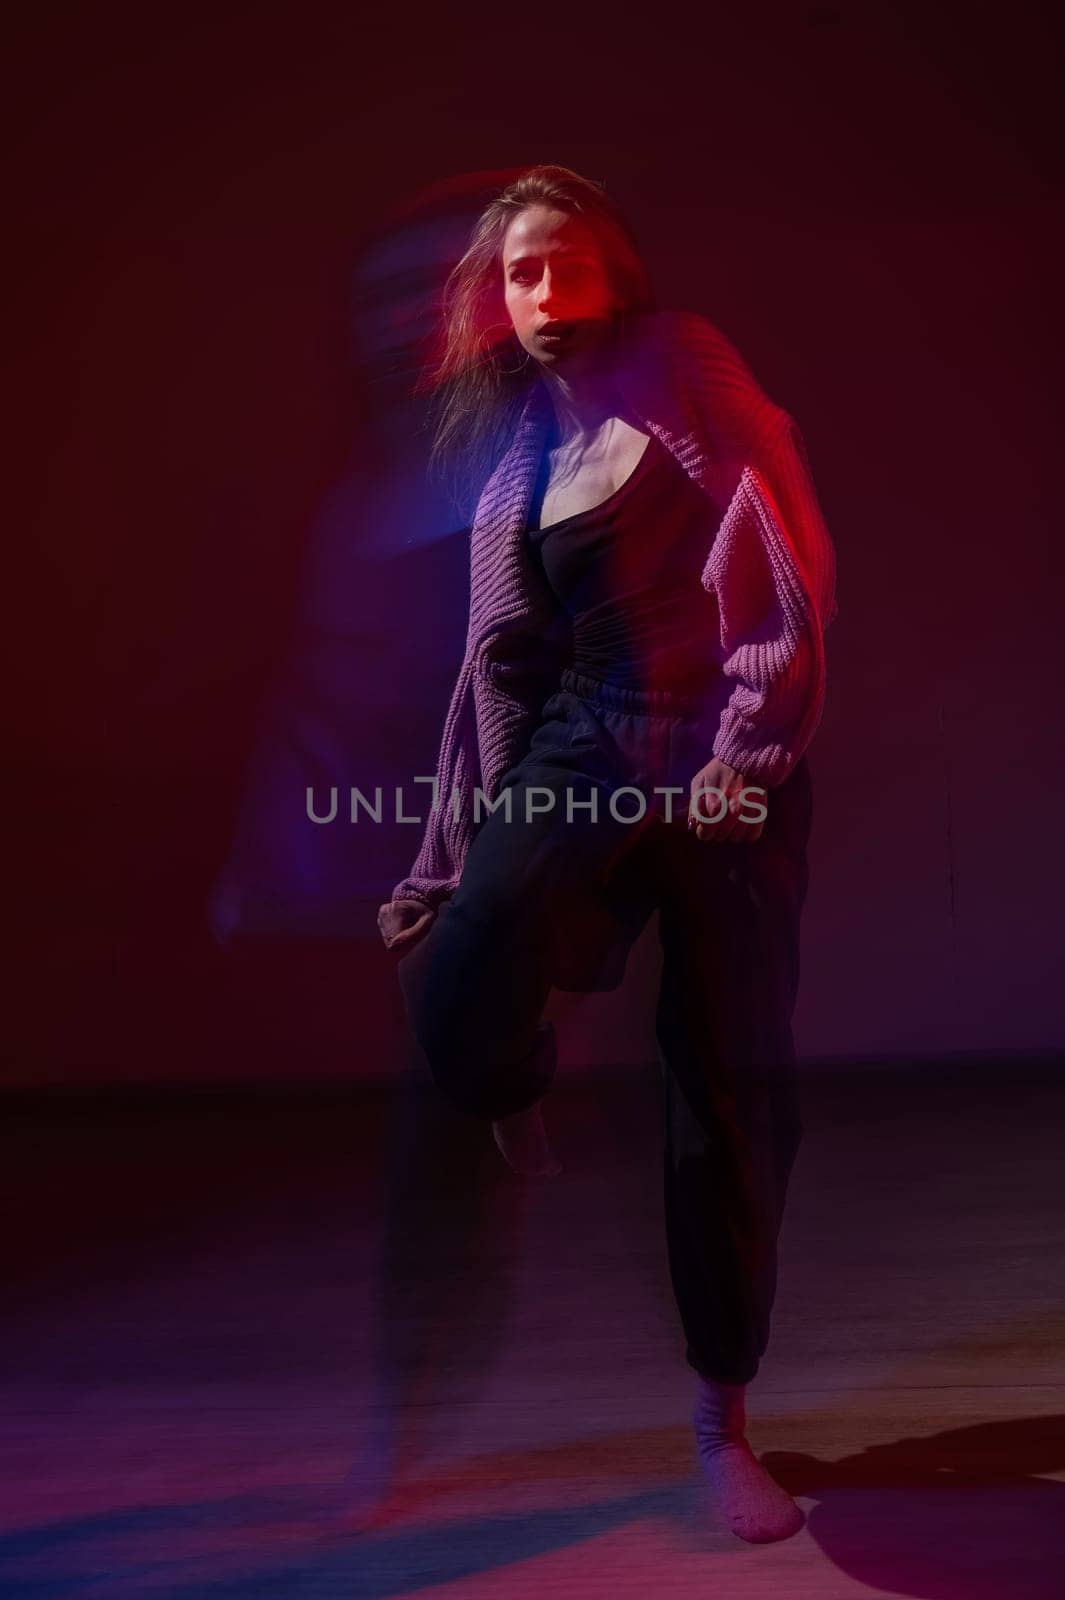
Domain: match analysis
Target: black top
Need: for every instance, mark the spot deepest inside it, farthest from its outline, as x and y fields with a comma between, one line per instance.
x=628, y=574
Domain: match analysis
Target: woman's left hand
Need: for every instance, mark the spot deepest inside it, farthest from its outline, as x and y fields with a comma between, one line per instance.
x=727, y=806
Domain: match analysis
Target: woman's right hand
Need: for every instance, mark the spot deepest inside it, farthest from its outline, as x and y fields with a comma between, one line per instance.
x=403, y=922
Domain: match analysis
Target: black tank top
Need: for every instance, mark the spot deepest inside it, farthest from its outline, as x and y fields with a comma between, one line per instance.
x=628, y=572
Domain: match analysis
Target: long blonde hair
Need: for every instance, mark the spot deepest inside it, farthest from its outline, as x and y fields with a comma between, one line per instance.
x=481, y=375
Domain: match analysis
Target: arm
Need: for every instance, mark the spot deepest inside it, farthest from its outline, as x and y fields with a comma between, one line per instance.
x=501, y=689
x=407, y=915
x=772, y=643
x=511, y=649
x=740, y=426
x=438, y=865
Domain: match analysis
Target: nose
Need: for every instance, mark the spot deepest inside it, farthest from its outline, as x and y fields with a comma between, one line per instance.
x=548, y=296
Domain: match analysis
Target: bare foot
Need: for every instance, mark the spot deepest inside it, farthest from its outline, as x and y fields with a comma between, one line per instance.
x=522, y=1141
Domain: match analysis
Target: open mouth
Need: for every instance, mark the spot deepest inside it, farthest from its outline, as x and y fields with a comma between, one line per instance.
x=556, y=333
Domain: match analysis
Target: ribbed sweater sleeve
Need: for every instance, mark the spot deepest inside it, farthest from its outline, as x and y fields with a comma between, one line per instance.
x=495, y=705
x=771, y=639
x=438, y=866
x=772, y=566
x=510, y=660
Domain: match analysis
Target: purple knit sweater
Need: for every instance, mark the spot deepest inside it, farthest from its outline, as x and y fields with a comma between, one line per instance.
x=770, y=566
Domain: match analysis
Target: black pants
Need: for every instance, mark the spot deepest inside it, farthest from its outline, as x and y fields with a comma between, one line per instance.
x=476, y=985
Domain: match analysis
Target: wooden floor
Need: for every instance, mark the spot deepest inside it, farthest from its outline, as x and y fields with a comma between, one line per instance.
x=288, y=1348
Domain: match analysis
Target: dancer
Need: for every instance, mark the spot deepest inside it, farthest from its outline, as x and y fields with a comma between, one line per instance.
x=650, y=582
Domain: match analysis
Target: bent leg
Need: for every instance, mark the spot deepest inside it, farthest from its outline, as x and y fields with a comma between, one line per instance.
x=476, y=985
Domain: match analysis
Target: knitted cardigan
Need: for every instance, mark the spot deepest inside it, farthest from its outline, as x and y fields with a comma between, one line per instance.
x=770, y=566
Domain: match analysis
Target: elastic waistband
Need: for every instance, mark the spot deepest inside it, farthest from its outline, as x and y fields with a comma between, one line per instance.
x=640, y=702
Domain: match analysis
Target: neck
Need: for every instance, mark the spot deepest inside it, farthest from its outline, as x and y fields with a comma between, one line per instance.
x=582, y=402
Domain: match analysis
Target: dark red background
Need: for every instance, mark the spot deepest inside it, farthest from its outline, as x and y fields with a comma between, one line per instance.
x=865, y=198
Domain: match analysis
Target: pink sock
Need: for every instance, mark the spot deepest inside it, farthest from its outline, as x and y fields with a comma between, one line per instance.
x=756, y=1508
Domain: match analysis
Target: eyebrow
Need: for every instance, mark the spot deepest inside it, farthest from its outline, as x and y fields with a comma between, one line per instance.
x=520, y=261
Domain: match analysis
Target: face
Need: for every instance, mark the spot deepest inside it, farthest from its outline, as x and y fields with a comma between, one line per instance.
x=554, y=271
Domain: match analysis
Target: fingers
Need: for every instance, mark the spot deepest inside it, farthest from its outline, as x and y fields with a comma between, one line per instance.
x=395, y=925
x=410, y=936
x=717, y=816
x=710, y=816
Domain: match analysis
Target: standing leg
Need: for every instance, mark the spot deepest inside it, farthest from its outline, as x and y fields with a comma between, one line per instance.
x=730, y=937
x=730, y=940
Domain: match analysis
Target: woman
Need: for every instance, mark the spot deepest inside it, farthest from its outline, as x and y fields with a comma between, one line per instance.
x=650, y=582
